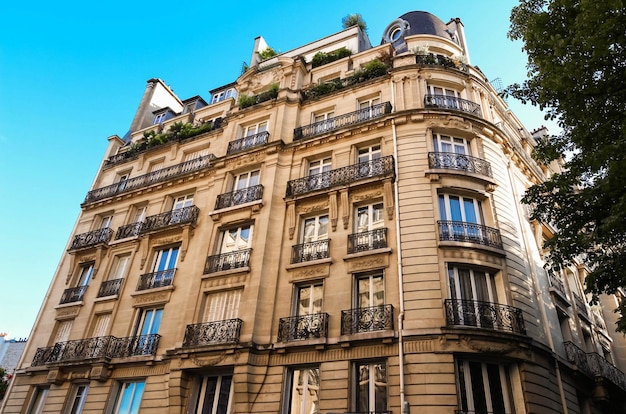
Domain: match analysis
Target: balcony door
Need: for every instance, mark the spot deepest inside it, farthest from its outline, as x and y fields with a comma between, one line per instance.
x=446, y=143
x=222, y=306
x=309, y=299
x=246, y=180
x=369, y=218
x=85, y=275
x=465, y=214
x=214, y=395
x=475, y=293
x=164, y=266
x=149, y=322
x=370, y=291
x=235, y=239
x=448, y=98
x=316, y=179
x=178, y=214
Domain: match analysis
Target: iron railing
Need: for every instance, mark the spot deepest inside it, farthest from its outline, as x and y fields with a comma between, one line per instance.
x=74, y=294
x=369, y=240
x=234, y=198
x=110, y=287
x=128, y=230
x=593, y=364
x=581, y=307
x=306, y=252
x=557, y=283
x=485, y=315
x=95, y=348
x=159, y=176
x=380, y=168
x=156, y=279
x=91, y=238
x=331, y=124
x=451, y=102
x=248, y=142
x=177, y=217
x=462, y=231
x=459, y=162
x=227, y=261
x=298, y=328
x=373, y=318
x=440, y=60
x=211, y=333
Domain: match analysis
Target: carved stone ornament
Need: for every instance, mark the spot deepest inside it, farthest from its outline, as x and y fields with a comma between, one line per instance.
x=310, y=273
x=153, y=298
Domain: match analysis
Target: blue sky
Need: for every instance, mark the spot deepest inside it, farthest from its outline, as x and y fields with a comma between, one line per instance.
x=72, y=74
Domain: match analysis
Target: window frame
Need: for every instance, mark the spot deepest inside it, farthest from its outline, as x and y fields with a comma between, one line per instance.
x=372, y=397
x=466, y=396
x=197, y=398
x=317, y=226
x=85, y=273
x=454, y=142
x=38, y=400
x=228, y=308
x=255, y=128
x=222, y=248
x=375, y=217
x=156, y=317
x=290, y=387
x=121, y=392
x=316, y=294
x=372, y=299
x=446, y=212
x=250, y=179
x=76, y=401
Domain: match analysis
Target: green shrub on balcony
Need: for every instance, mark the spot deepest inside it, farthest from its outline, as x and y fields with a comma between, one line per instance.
x=370, y=70
x=322, y=58
x=246, y=100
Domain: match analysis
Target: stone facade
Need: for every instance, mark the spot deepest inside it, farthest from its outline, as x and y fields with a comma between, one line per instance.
x=324, y=236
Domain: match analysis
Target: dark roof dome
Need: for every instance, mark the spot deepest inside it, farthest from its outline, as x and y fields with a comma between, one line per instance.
x=414, y=23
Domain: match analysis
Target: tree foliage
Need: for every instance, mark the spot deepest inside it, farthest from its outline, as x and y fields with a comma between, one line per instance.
x=354, y=20
x=4, y=382
x=577, y=74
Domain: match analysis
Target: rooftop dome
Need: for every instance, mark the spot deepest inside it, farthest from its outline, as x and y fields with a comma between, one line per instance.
x=414, y=23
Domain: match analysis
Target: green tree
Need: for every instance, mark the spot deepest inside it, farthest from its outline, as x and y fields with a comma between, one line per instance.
x=354, y=20
x=4, y=382
x=577, y=74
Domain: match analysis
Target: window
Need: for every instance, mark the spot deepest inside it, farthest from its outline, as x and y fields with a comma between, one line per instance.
x=149, y=321
x=233, y=250
x=315, y=228
x=78, y=398
x=214, y=395
x=313, y=240
x=368, y=154
x=371, y=387
x=159, y=118
x=323, y=121
x=63, y=331
x=121, y=181
x=163, y=269
x=179, y=212
x=370, y=290
x=461, y=219
x=369, y=218
x=245, y=180
x=368, y=103
x=369, y=231
x=444, y=97
x=101, y=325
x=105, y=221
x=38, y=400
x=255, y=129
x=472, y=291
x=119, y=266
x=319, y=166
x=309, y=299
x=483, y=387
x=196, y=154
x=85, y=274
x=302, y=391
x=156, y=165
x=220, y=96
x=235, y=239
x=182, y=202
x=221, y=306
x=129, y=397
x=366, y=108
x=446, y=143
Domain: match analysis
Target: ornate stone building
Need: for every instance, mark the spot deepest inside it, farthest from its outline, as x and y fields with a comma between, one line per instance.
x=337, y=231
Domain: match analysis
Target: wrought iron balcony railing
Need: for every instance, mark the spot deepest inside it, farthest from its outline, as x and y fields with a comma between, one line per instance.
x=156, y=279
x=593, y=365
x=369, y=240
x=451, y=102
x=331, y=124
x=91, y=238
x=227, y=261
x=110, y=287
x=440, y=60
x=234, y=198
x=128, y=230
x=306, y=252
x=485, y=315
x=95, y=348
x=581, y=307
x=248, y=142
x=177, y=217
x=557, y=283
x=159, y=176
x=370, y=319
x=462, y=231
x=378, y=168
x=74, y=294
x=459, y=162
x=299, y=328
x=211, y=333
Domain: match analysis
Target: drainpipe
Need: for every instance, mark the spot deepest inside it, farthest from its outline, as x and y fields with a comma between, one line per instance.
x=403, y=402
x=542, y=309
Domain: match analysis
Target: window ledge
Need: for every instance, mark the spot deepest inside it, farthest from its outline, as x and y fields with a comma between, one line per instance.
x=69, y=305
x=309, y=263
x=368, y=335
x=106, y=298
x=478, y=246
x=152, y=290
x=243, y=269
x=255, y=206
x=384, y=250
x=317, y=342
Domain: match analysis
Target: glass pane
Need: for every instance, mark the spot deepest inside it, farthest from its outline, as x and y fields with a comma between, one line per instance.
x=495, y=389
x=455, y=209
x=362, y=219
x=134, y=408
x=380, y=387
x=378, y=294
x=364, y=293
x=254, y=179
x=323, y=228
x=222, y=404
x=442, y=208
x=482, y=291
x=304, y=300
x=317, y=299
x=309, y=230
x=478, y=387
x=470, y=211
x=363, y=395
x=210, y=385
x=465, y=283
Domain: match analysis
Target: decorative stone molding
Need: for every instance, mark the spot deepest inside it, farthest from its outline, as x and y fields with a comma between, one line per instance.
x=345, y=208
x=370, y=260
x=231, y=280
x=311, y=272
x=332, y=209
x=67, y=313
x=142, y=299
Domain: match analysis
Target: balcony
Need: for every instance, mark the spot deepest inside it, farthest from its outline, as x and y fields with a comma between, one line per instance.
x=156, y=279
x=110, y=288
x=177, y=217
x=95, y=348
x=299, y=328
x=486, y=315
x=306, y=252
x=461, y=231
x=234, y=198
x=91, y=239
x=581, y=307
x=248, y=142
x=227, y=261
x=212, y=333
x=369, y=240
x=73, y=294
x=459, y=162
x=378, y=168
x=594, y=365
x=128, y=230
x=370, y=319
x=451, y=102
x=440, y=60
x=155, y=177
x=332, y=124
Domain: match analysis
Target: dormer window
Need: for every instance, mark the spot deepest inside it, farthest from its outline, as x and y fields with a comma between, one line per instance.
x=223, y=95
x=159, y=118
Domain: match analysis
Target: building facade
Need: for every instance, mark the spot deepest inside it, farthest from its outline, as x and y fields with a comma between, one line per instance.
x=337, y=231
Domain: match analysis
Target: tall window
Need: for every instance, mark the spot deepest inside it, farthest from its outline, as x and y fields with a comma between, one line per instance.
x=128, y=398
x=315, y=228
x=446, y=143
x=323, y=121
x=370, y=290
x=303, y=391
x=237, y=238
x=483, y=387
x=457, y=208
x=214, y=395
x=369, y=102
x=196, y=154
x=369, y=153
x=63, y=331
x=182, y=202
x=245, y=180
x=38, y=401
x=222, y=306
x=309, y=299
x=119, y=266
x=101, y=325
x=319, y=166
x=255, y=129
x=471, y=288
x=105, y=221
x=371, y=387
x=85, y=274
x=78, y=398
x=445, y=97
x=164, y=267
x=369, y=218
